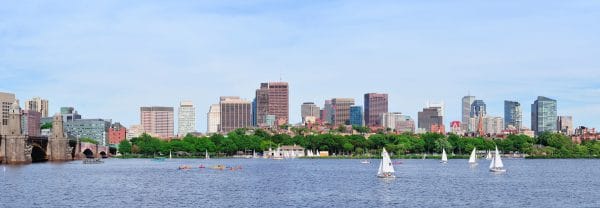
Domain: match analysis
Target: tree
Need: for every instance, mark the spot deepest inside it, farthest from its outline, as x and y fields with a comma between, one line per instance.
x=88, y=140
x=125, y=147
x=47, y=125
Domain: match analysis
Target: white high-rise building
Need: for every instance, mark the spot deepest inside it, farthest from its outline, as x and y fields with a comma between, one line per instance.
x=214, y=119
x=187, y=118
x=397, y=122
x=37, y=104
x=493, y=124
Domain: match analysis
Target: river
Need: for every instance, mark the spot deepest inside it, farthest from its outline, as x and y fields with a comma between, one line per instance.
x=301, y=183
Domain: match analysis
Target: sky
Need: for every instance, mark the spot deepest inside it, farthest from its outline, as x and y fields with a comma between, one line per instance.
x=108, y=58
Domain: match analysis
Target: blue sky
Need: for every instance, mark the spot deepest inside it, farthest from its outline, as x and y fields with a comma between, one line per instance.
x=108, y=58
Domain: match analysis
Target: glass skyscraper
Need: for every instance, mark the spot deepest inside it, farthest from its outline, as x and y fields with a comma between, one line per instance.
x=543, y=115
x=356, y=116
x=478, y=108
x=513, y=115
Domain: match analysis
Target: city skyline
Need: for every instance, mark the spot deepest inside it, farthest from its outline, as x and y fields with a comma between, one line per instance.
x=51, y=52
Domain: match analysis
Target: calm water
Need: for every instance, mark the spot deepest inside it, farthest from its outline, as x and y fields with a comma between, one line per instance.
x=301, y=183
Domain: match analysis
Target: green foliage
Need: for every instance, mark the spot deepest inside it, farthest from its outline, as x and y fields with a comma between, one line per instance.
x=88, y=140
x=125, y=147
x=47, y=125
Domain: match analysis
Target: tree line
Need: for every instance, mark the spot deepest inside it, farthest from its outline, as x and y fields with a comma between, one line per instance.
x=242, y=141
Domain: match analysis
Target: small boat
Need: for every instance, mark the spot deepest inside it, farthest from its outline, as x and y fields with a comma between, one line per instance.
x=218, y=167
x=489, y=155
x=496, y=165
x=444, y=156
x=201, y=166
x=184, y=167
x=386, y=169
x=473, y=157
x=92, y=161
x=365, y=162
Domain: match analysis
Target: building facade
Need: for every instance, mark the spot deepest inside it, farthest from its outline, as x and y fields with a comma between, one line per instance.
x=30, y=122
x=213, y=119
x=564, y=124
x=158, y=121
x=6, y=101
x=272, y=99
x=376, y=104
x=397, y=122
x=69, y=114
x=327, y=115
x=37, y=104
x=467, y=101
x=431, y=117
x=96, y=129
x=543, y=115
x=309, y=109
x=116, y=133
x=356, y=116
x=235, y=113
x=493, y=125
x=186, y=118
x=341, y=110
x=513, y=115
x=134, y=131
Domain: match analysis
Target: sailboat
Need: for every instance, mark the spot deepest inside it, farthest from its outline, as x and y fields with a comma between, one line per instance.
x=489, y=155
x=277, y=155
x=496, y=164
x=206, y=156
x=473, y=158
x=424, y=155
x=254, y=154
x=444, y=156
x=170, y=155
x=386, y=169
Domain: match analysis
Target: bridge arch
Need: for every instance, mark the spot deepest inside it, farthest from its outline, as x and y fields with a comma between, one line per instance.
x=88, y=153
x=103, y=154
x=38, y=153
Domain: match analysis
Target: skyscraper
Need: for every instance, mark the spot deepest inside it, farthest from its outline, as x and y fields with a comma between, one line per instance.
x=356, y=116
x=272, y=99
x=309, y=109
x=6, y=101
x=235, y=113
x=565, y=125
x=213, y=119
x=513, y=115
x=37, y=104
x=431, y=118
x=375, y=105
x=187, y=118
x=327, y=115
x=341, y=110
x=467, y=101
x=478, y=108
x=158, y=121
x=543, y=115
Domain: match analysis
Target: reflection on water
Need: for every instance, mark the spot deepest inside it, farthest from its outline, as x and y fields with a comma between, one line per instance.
x=300, y=183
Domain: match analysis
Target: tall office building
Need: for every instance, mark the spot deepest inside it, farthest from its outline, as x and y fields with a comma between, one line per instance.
x=376, y=104
x=565, y=125
x=513, y=115
x=543, y=115
x=309, y=109
x=272, y=99
x=235, y=113
x=187, y=118
x=30, y=122
x=478, y=108
x=327, y=115
x=37, y=104
x=341, y=110
x=356, y=116
x=158, y=121
x=467, y=101
x=493, y=125
x=6, y=101
x=213, y=119
x=431, y=118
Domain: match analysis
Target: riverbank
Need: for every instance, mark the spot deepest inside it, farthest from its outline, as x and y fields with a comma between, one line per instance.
x=436, y=157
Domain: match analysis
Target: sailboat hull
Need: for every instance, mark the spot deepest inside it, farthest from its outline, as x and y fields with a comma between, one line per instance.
x=497, y=170
x=386, y=176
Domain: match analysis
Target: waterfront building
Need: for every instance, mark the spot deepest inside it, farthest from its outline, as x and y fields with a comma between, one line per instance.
x=513, y=115
x=158, y=121
x=187, y=118
x=235, y=113
x=213, y=119
x=376, y=104
x=543, y=115
x=429, y=117
x=96, y=129
x=272, y=99
x=6, y=101
x=327, y=115
x=134, y=131
x=341, y=110
x=37, y=104
x=467, y=101
x=30, y=122
x=286, y=151
x=356, y=116
x=309, y=109
x=116, y=133
x=564, y=124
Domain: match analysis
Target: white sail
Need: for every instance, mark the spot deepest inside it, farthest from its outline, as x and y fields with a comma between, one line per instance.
x=424, y=155
x=206, y=156
x=473, y=158
x=170, y=155
x=385, y=166
x=498, y=160
x=489, y=155
x=444, y=156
